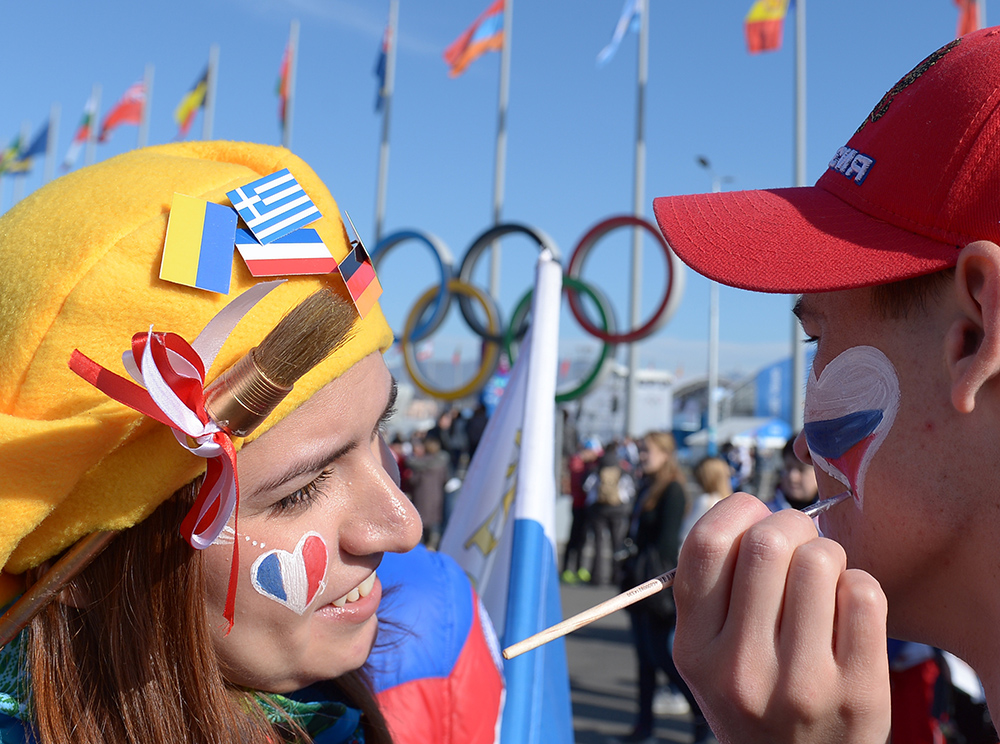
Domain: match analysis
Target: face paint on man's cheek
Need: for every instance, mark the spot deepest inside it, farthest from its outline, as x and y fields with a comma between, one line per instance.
x=849, y=411
x=292, y=579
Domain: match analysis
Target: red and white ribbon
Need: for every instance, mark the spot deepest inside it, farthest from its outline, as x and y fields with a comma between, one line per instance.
x=172, y=373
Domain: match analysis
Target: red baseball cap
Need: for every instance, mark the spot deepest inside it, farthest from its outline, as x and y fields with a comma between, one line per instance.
x=919, y=180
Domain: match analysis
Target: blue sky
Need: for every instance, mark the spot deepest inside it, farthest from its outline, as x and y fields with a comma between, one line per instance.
x=571, y=125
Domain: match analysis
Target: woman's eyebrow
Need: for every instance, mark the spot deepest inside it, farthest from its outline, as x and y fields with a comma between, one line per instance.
x=323, y=461
x=313, y=465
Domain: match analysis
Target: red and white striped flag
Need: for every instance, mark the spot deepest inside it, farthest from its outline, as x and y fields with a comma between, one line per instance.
x=300, y=252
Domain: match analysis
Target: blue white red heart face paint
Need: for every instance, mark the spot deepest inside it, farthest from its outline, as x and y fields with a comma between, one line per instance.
x=849, y=410
x=292, y=579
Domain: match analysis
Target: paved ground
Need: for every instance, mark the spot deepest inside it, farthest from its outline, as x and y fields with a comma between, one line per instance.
x=603, y=675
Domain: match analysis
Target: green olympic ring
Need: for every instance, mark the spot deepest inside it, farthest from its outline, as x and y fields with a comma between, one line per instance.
x=607, y=315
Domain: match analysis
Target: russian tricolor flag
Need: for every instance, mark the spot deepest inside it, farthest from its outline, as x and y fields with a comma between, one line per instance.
x=299, y=252
x=502, y=531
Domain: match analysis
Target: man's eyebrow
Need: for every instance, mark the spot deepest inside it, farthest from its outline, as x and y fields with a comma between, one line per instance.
x=799, y=310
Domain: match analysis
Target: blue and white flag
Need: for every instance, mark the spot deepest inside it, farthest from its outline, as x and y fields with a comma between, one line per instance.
x=630, y=17
x=502, y=531
x=273, y=206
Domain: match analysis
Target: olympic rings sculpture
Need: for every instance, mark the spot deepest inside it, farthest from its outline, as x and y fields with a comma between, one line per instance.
x=431, y=308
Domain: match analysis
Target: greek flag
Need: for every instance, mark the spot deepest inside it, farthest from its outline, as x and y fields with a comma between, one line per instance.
x=273, y=206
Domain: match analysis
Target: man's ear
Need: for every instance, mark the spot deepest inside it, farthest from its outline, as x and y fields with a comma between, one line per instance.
x=973, y=340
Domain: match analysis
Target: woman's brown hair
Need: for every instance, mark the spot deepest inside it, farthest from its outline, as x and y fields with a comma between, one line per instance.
x=713, y=475
x=136, y=661
x=669, y=472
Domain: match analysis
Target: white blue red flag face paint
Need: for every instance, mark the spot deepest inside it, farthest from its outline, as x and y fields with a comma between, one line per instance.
x=273, y=206
x=849, y=411
x=292, y=579
x=300, y=252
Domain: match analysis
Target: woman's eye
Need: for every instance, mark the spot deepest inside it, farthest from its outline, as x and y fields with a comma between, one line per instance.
x=302, y=497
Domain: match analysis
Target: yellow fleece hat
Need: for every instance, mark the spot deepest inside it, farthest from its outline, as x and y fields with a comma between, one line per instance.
x=81, y=260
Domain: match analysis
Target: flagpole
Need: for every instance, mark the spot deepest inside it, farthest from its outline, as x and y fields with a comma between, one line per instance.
x=90, y=153
x=208, y=116
x=501, y=152
x=638, y=203
x=51, y=143
x=982, y=13
x=20, y=175
x=293, y=51
x=798, y=350
x=386, y=94
x=147, y=105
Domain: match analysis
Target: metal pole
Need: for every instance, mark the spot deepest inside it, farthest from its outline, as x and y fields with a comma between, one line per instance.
x=638, y=190
x=982, y=13
x=798, y=350
x=90, y=153
x=20, y=176
x=208, y=115
x=713, y=367
x=51, y=144
x=147, y=105
x=386, y=93
x=501, y=152
x=293, y=51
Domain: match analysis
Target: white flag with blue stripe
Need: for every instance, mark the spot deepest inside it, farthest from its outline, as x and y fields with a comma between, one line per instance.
x=273, y=206
x=502, y=531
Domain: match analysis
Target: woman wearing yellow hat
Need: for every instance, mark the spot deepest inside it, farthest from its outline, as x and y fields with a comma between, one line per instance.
x=258, y=634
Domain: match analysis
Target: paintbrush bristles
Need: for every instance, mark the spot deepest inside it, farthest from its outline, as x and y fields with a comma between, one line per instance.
x=305, y=337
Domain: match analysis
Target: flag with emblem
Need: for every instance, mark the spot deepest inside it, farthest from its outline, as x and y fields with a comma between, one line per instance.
x=630, y=19
x=128, y=110
x=198, y=251
x=764, y=24
x=273, y=206
x=502, y=531
x=300, y=252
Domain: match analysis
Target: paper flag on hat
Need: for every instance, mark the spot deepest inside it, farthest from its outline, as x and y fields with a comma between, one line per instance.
x=198, y=251
x=299, y=252
x=359, y=275
x=274, y=206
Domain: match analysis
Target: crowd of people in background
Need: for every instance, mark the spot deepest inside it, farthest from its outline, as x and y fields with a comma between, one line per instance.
x=633, y=503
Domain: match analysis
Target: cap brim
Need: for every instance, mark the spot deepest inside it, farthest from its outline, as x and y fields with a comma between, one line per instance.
x=793, y=240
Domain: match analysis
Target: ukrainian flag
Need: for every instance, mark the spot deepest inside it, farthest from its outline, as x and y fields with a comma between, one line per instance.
x=198, y=251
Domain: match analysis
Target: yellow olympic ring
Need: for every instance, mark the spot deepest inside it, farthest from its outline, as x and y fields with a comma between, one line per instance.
x=492, y=351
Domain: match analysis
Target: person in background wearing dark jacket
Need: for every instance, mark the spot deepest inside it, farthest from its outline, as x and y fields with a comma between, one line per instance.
x=656, y=526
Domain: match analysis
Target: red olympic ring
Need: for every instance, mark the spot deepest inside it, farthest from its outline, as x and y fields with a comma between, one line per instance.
x=671, y=297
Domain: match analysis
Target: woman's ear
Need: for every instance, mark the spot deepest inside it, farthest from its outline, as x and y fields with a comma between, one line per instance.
x=973, y=339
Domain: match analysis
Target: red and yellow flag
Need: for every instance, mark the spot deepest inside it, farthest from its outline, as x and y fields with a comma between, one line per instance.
x=763, y=25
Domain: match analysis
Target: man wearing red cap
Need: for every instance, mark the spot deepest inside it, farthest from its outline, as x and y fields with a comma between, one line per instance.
x=781, y=633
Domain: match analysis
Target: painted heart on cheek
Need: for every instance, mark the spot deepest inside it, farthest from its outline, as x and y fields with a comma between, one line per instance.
x=292, y=579
x=849, y=411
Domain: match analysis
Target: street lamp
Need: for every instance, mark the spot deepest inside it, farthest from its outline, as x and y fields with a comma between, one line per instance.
x=713, y=329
